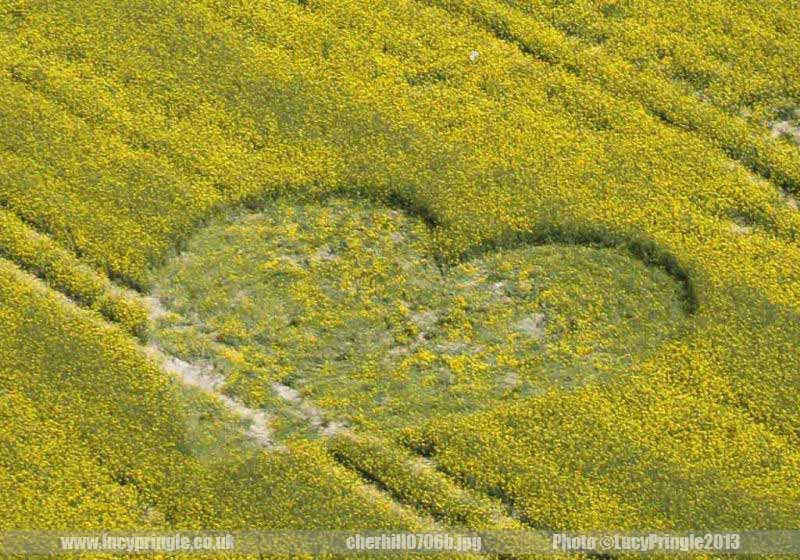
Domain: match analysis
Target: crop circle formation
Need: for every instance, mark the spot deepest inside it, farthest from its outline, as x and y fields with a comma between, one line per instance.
x=344, y=301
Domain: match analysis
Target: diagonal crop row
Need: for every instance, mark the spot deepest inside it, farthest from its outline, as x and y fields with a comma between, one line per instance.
x=739, y=139
x=742, y=61
x=62, y=270
x=410, y=479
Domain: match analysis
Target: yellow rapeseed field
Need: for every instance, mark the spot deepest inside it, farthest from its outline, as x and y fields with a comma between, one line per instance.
x=493, y=264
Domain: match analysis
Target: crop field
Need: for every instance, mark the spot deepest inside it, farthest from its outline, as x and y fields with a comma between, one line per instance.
x=402, y=265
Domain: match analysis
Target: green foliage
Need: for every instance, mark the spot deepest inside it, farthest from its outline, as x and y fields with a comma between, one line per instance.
x=345, y=302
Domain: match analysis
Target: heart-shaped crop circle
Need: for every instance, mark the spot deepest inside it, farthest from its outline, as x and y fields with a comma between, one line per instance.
x=343, y=301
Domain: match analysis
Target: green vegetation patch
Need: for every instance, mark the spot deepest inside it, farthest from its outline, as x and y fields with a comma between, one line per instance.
x=347, y=303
